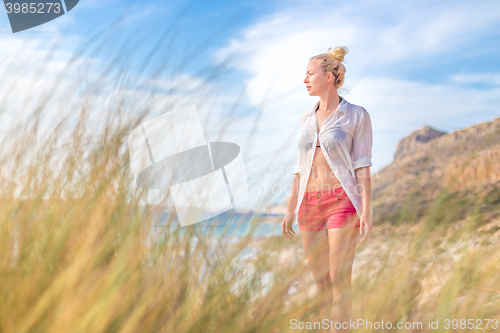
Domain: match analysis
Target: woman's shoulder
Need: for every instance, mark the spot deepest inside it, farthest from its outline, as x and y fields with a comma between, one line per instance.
x=358, y=109
x=357, y=113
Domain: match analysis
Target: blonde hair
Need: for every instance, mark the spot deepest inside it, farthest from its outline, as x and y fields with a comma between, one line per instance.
x=331, y=61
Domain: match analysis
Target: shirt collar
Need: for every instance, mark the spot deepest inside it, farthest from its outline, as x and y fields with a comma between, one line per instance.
x=342, y=107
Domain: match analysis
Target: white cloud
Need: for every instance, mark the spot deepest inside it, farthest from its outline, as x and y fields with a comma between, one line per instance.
x=484, y=78
x=181, y=81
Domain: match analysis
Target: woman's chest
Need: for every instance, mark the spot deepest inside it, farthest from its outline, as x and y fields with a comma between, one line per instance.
x=333, y=133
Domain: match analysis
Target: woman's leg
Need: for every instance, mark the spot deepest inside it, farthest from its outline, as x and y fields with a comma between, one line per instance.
x=342, y=248
x=316, y=249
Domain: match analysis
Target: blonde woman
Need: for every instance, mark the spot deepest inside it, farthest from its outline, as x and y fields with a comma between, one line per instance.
x=331, y=191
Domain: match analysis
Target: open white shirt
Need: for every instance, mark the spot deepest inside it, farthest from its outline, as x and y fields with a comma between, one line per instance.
x=346, y=142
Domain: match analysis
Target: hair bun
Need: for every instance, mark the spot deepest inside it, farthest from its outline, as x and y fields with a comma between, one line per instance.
x=338, y=53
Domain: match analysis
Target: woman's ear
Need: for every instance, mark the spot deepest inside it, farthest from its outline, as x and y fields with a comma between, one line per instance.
x=330, y=76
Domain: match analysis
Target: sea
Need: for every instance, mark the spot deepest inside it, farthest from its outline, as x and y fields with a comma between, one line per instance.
x=231, y=223
x=229, y=227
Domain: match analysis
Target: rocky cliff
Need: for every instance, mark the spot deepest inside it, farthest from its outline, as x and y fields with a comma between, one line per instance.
x=415, y=140
x=459, y=170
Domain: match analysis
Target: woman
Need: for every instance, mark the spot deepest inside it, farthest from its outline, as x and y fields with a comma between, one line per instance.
x=331, y=191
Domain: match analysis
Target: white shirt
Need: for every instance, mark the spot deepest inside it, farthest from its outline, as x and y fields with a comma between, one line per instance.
x=346, y=142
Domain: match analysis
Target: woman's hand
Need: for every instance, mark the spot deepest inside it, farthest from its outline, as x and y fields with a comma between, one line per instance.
x=286, y=226
x=366, y=222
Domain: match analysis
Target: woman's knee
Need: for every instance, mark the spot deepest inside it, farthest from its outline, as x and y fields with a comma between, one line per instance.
x=323, y=280
x=340, y=278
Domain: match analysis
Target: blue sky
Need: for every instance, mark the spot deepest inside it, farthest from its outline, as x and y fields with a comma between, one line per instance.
x=409, y=64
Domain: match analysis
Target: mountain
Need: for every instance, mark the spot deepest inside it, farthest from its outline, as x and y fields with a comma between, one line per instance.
x=459, y=170
x=415, y=140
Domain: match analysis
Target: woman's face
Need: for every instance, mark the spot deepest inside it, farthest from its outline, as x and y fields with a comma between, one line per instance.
x=315, y=80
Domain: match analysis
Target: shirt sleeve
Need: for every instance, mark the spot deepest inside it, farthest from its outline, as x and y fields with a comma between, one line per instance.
x=362, y=143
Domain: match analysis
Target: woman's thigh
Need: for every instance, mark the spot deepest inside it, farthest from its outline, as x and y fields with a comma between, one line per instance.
x=342, y=246
x=316, y=248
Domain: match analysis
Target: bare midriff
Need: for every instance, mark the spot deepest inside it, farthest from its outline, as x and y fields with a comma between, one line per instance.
x=321, y=177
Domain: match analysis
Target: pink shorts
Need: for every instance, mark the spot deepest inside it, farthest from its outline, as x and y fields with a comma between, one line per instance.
x=331, y=207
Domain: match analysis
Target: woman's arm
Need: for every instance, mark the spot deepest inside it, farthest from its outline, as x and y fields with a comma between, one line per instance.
x=363, y=178
x=361, y=156
x=286, y=225
x=294, y=195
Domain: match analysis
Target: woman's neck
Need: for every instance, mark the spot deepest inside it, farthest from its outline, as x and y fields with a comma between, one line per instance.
x=325, y=106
